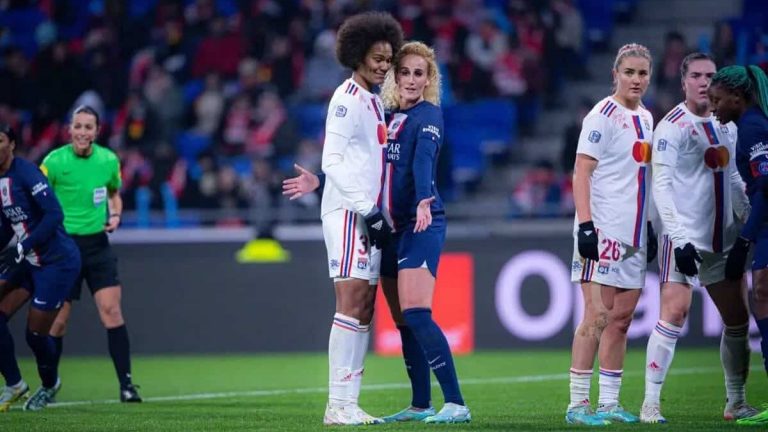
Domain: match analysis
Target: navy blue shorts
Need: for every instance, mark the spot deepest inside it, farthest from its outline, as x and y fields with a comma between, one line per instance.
x=410, y=250
x=49, y=285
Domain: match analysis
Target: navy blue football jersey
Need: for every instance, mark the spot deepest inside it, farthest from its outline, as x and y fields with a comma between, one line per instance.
x=414, y=138
x=31, y=212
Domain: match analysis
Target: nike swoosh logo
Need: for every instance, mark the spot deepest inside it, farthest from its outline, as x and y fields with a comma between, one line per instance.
x=434, y=360
x=36, y=301
x=401, y=260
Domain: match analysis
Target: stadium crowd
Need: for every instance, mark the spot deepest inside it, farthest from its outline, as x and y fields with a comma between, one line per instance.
x=209, y=103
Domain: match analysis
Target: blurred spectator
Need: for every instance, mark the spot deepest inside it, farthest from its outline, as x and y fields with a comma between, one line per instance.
x=274, y=133
x=486, y=48
x=323, y=72
x=165, y=98
x=231, y=198
x=538, y=194
x=571, y=136
x=60, y=79
x=209, y=106
x=17, y=89
x=220, y=52
x=724, y=44
x=236, y=127
x=137, y=127
x=667, y=72
x=263, y=190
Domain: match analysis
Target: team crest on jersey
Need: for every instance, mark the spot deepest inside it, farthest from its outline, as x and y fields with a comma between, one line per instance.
x=661, y=145
x=396, y=125
x=724, y=129
x=594, y=137
x=341, y=111
x=5, y=192
x=603, y=268
x=646, y=123
x=362, y=263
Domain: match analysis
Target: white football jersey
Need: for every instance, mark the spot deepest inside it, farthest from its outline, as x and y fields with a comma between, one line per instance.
x=701, y=152
x=353, y=153
x=620, y=140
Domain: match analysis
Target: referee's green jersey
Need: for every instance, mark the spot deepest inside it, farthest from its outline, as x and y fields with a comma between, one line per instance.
x=82, y=185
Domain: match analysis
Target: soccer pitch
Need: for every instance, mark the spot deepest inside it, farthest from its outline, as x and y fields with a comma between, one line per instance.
x=522, y=390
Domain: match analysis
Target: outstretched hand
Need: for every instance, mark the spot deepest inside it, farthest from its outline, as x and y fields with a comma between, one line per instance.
x=424, y=214
x=304, y=183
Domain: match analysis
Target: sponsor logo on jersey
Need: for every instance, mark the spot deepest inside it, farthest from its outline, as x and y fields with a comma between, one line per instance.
x=576, y=266
x=393, y=151
x=594, y=137
x=661, y=145
x=717, y=157
x=434, y=130
x=334, y=264
x=341, y=111
x=757, y=150
x=39, y=187
x=15, y=214
x=641, y=151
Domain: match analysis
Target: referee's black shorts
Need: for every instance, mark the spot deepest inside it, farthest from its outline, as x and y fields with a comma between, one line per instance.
x=99, y=268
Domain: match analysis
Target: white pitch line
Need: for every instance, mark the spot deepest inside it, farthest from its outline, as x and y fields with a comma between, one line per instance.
x=370, y=387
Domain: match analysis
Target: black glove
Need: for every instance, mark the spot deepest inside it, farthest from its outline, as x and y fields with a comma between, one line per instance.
x=379, y=230
x=587, y=241
x=653, y=244
x=686, y=258
x=737, y=258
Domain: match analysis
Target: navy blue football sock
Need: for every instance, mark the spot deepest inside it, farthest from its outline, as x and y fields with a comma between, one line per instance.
x=762, y=325
x=43, y=348
x=417, y=367
x=120, y=350
x=436, y=350
x=58, y=345
x=9, y=368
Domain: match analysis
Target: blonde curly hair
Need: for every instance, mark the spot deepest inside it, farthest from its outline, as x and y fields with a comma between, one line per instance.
x=389, y=94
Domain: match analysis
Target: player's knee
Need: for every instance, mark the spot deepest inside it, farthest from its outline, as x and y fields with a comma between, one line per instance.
x=111, y=315
x=760, y=292
x=58, y=328
x=621, y=321
x=677, y=315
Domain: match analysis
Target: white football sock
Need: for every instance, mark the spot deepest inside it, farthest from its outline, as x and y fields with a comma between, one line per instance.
x=734, y=355
x=341, y=349
x=580, y=383
x=358, y=360
x=658, y=358
x=610, y=385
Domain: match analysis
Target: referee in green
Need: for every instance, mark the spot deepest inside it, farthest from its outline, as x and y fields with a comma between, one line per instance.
x=86, y=178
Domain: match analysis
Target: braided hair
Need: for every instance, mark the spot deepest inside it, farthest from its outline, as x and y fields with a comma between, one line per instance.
x=748, y=81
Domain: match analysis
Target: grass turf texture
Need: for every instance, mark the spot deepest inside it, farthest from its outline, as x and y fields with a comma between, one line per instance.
x=523, y=390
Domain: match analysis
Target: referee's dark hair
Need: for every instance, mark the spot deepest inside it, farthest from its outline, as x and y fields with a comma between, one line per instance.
x=359, y=32
x=8, y=131
x=86, y=109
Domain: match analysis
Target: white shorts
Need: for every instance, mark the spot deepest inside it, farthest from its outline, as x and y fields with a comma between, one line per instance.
x=620, y=265
x=711, y=268
x=349, y=251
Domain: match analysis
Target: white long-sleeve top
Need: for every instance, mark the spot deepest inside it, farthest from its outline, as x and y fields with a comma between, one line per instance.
x=696, y=186
x=353, y=151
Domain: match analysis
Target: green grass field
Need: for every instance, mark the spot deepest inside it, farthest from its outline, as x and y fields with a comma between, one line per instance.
x=505, y=390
